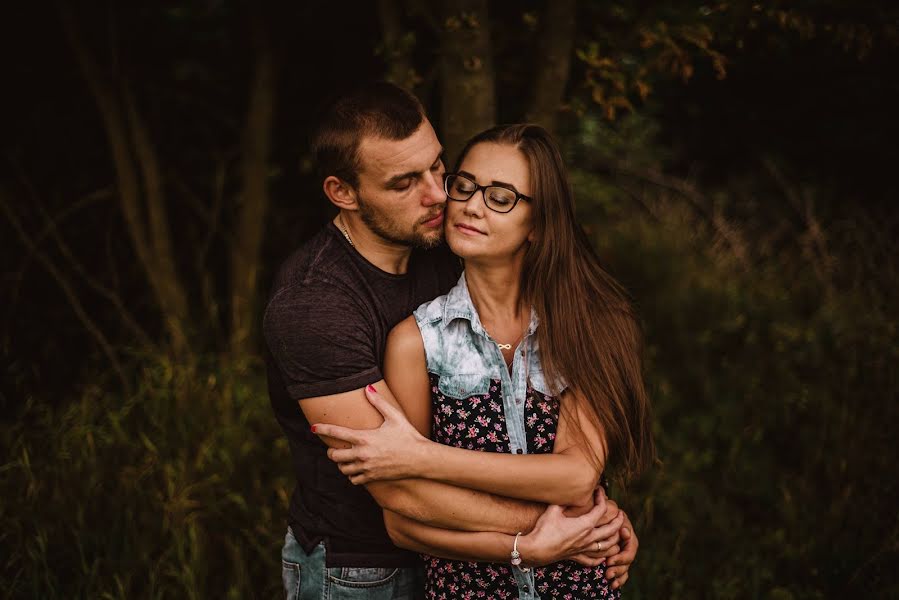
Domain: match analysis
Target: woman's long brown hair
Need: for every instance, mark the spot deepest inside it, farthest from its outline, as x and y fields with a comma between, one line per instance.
x=589, y=335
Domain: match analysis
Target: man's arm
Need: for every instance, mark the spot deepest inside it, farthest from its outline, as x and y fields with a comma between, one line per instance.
x=430, y=502
x=555, y=537
x=317, y=355
x=397, y=450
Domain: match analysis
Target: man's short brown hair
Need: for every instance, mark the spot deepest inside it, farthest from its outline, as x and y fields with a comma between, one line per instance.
x=378, y=109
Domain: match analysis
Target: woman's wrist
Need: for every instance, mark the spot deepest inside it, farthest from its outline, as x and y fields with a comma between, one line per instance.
x=433, y=460
x=529, y=551
x=425, y=459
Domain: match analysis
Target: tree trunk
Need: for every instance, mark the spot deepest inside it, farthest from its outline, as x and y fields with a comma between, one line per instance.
x=245, y=254
x=144, y=209
x=466, y=72
x=396, y=49
x=554, y=49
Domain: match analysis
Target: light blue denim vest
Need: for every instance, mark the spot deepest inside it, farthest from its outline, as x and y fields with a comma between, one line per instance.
x=465, y=358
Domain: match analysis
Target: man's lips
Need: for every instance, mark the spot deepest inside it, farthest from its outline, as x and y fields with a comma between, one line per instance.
x=435, y=221
x=468, y=229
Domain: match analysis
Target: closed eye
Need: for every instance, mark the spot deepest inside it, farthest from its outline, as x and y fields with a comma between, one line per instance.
x=403, y=184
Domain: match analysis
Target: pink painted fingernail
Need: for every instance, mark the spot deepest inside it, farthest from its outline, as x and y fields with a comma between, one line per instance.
x=371, y=388
x=313, y=429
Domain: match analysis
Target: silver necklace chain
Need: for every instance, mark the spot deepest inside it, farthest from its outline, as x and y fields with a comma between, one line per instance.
x=521, y=339
x=346, y=233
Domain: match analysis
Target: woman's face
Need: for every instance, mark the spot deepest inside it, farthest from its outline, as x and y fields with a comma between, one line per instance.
x=474, y=231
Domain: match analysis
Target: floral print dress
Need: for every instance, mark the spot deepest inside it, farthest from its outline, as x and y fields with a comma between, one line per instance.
x=478, y=423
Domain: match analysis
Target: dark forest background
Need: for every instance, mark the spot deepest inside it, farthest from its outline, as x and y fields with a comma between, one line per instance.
x=734, y=162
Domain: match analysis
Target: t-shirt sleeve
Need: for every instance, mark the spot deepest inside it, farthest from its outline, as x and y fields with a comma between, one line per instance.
x=321, y=339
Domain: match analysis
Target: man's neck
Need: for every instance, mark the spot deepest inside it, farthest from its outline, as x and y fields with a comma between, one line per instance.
x=387, y=256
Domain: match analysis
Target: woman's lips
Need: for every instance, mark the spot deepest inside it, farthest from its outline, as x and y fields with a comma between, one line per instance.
x=468, y=229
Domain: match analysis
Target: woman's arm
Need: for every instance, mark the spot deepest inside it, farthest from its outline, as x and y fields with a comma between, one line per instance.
x=568, y=476
x=555, y=537
x=397, y=450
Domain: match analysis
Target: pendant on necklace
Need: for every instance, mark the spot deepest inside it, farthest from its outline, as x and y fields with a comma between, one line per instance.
x=504, y=346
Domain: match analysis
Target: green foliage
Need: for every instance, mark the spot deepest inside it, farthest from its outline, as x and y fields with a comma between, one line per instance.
x=177, y=492
x=775, y=413
x=626, y=50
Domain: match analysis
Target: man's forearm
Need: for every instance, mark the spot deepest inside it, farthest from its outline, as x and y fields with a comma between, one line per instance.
x=454, y=545
x=450, y=507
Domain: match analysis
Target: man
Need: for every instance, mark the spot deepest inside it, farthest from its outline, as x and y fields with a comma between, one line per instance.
x=332, y=305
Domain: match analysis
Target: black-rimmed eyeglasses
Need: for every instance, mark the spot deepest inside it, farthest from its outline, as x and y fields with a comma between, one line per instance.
x=496, y=197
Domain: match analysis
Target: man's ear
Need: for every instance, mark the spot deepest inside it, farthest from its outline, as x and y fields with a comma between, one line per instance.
x=340, y=193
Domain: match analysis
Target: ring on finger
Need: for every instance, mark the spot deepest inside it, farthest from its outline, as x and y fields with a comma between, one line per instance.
x=598, y=546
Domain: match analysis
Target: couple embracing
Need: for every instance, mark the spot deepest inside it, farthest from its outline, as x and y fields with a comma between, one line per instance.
x=449, y=429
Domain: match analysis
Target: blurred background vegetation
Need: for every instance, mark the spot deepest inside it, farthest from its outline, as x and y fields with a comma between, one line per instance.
x=733, y=161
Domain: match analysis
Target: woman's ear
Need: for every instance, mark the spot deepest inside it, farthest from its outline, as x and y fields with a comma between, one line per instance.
x=340, y=193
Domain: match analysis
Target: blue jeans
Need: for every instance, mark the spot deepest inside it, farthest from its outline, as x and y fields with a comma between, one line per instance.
x=307, y=578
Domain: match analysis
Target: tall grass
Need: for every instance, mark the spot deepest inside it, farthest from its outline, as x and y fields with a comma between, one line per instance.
x=179, y=491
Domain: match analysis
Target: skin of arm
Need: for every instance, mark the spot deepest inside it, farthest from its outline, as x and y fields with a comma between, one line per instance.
x=397, y=450
x=485, y=546
x=555, y=537
x=430, y=502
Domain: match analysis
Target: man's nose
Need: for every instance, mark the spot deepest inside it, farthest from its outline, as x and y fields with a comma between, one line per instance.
x=434, y=193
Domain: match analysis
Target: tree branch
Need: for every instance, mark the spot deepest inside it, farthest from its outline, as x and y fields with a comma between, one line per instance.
x=686, y=190
x=114, y=122
x=245, y=255
x=92, y=328
x=92, y=282
x=174, y=299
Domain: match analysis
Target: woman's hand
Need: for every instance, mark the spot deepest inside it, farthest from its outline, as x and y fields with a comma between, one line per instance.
x=584, y=539
x=395, y=450
x=618, y=552
x=620, y=563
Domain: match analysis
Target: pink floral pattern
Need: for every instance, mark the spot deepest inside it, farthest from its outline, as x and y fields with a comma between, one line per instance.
x=479, y=423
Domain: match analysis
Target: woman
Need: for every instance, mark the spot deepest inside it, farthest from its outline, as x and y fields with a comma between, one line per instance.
x=535, y=352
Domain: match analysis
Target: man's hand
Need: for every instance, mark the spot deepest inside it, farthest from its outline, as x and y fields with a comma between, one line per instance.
x=558, y=537
x=392, y=451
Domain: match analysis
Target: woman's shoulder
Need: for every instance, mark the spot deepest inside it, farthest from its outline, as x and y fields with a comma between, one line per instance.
x=405, y=340
x=404, y=332
x=428, y=323
x=430, y=314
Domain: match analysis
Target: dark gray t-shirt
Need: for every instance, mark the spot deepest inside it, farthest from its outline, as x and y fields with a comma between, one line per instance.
x=326, y=327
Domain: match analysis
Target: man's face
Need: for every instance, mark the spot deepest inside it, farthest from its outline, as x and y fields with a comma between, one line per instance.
x=400, y=192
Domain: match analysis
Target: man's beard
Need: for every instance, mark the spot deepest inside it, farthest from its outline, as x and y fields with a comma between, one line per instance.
x=391, y=231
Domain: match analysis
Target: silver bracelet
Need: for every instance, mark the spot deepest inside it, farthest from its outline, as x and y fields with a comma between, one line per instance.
x=516, y=556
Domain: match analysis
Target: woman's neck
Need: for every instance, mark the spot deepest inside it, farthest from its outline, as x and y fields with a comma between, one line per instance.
x=495, y=291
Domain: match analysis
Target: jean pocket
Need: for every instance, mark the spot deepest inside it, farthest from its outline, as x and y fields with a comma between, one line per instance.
x=461, y=386
x=290, y=575
x=355, y=577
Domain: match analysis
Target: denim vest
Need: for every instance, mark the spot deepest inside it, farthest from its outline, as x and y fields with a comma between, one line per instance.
x=465, y=358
